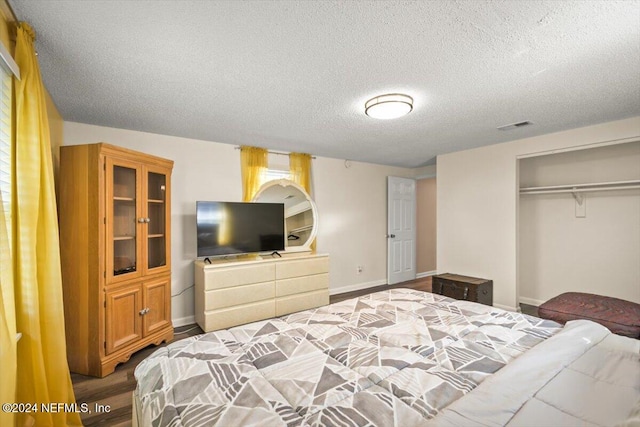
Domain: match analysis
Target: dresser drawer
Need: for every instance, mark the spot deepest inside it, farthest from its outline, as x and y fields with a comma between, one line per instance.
x=299, y=302
x=298, y=285
x=228, y=297
x=303, y=267
x=238, y=315
x=239, y=292
x=228, y=277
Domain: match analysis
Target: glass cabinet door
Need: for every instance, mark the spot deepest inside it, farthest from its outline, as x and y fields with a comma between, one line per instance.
x=122, y=221
x=156, y=220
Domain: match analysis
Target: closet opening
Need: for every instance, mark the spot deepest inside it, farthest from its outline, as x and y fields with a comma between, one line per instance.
x=579, y=223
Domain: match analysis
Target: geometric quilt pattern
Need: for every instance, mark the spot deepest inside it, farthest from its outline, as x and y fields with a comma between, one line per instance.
x=392, y=358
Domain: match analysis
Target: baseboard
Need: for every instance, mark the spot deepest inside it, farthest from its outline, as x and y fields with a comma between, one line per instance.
x=373, y=284
x=530, y=301
x=184, y=321
x=356, y=287
x=507, y=307
x=426, y=274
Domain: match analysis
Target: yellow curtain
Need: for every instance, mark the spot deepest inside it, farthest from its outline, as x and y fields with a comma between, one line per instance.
x=43, y=373
x=253, y=164
x=300, y=169
x=8, y=349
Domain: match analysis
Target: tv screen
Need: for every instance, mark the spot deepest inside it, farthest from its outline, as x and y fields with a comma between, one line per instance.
x=226, y=228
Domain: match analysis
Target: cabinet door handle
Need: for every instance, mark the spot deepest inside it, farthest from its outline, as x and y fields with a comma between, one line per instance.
x=147, y=220
x=466, y=292
x=140, y=220
x=144, y=311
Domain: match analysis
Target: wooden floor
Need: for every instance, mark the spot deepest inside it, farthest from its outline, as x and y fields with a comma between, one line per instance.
x=115, y=389
x=423, y=284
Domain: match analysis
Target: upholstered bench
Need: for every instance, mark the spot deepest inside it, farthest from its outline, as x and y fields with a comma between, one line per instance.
x=619, y=316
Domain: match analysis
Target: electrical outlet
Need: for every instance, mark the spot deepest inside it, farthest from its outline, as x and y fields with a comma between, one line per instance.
x=359, y=269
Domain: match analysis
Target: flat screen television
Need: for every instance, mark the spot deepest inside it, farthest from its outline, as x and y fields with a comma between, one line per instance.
x=226, y=228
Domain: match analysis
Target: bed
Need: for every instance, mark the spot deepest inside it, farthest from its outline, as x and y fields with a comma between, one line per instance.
x=399, y=357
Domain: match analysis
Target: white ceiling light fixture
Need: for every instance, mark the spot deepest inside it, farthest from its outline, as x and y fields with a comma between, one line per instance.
x=390, y=106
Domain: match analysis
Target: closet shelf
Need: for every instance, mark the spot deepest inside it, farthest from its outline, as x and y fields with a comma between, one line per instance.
x=297, y=210
x=300, y=229
x=583, y=188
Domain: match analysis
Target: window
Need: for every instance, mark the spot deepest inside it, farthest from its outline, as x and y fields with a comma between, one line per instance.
x=278, y=168
x=5, y=144
x=8, y=68
x=273, y=174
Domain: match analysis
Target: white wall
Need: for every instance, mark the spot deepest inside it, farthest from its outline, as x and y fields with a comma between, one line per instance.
x=426, y=227
x=351, y=204
x=559, y=252
x=477, y=203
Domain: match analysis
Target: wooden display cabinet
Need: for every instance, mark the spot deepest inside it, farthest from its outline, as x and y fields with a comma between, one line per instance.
x=115, y=237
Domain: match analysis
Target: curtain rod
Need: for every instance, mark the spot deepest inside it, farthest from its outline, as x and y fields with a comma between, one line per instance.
x=6, y=7
x=279, y=153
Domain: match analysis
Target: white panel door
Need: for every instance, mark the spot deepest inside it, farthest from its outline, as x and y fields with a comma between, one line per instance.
x=401, y=229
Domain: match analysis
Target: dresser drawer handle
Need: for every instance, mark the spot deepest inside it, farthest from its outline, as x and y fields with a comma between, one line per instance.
x=466, y=292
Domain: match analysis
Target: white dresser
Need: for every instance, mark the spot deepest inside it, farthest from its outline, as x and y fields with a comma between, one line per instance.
x=230, y=293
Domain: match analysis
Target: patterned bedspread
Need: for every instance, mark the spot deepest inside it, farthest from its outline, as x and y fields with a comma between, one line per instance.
x=392, y=358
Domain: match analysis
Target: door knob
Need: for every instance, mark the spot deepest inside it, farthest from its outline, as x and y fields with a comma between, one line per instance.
x=391, y=236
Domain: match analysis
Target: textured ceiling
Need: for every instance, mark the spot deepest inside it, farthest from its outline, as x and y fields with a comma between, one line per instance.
x=294, y=76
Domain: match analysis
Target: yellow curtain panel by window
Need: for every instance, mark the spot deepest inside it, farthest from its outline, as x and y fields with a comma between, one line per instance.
x=42, y=371
x=300, y=169
x=253, y=164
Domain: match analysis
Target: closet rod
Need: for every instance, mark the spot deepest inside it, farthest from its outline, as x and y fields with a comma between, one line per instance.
x=573, y=188
x=581, y=190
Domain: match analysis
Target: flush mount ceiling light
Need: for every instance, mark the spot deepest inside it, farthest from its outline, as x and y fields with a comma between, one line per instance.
x=389, y=106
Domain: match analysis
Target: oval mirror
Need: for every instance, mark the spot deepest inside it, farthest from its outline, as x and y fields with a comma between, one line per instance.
x=301, y=216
